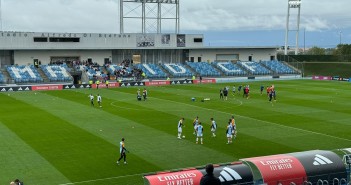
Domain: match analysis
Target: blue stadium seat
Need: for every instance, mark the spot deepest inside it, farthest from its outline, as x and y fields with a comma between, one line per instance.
x=229, y=68
x=24, y=74
x=2, y=78
x=279, y=67
x=151, y=70
x=178, y=70
x=126, y=71
x=203, y=68
x=57, y=73
x=254, y=68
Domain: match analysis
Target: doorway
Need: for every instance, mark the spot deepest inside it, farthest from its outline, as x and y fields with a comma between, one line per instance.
x=136, y=59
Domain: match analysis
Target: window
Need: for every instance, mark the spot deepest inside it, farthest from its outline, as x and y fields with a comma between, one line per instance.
x=63, y=39
x=197, y=39
x=40, y=39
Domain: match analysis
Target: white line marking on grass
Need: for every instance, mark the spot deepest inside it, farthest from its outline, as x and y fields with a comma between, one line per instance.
x=308, y=131
x=241, y=102
x=264, y=121
x=113, y=104
x=103, y=179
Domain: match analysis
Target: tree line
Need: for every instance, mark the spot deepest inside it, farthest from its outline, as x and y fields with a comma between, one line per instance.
x=341, y=49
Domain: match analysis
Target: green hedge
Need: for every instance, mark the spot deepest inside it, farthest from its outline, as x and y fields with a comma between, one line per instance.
x=316, y=58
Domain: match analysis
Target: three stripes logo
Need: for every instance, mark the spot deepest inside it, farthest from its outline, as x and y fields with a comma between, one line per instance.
x=228, y=174
x=321, y=160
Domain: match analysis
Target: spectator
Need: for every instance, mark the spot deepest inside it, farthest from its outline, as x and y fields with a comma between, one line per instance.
x=209, y=178
x=18, y=182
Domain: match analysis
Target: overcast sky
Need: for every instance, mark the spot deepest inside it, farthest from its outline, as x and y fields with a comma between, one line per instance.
x=245, y=19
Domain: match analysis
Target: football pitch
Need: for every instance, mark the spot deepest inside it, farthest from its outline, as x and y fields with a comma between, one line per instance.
x=58, y=138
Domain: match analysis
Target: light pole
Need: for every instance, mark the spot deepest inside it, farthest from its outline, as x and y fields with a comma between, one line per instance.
x=340, y=32
x=0, y=16
x=304, y=40
x=292, y=4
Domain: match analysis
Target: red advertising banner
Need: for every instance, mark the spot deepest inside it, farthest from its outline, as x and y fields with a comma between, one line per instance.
x=283, y=169
x=322, y=78
x=47, y=87
x=157, y=83
x=103, y=85
x=205, y=81
x=188, y=177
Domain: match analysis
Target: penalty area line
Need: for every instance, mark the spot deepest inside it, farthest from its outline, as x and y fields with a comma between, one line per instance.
x=102, y=179
x=268, y=122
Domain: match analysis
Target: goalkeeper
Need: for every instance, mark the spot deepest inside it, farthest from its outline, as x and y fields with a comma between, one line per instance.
x=123, y=151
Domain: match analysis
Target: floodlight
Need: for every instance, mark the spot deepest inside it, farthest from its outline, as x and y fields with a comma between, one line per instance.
x=152, y=14
x=297, y=5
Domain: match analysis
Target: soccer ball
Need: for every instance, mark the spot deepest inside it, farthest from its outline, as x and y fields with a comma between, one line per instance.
x=183, y=136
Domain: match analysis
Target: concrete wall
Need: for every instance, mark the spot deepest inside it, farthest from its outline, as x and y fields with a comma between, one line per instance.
x=24, y=57
x=25, y=40
x=243, y=53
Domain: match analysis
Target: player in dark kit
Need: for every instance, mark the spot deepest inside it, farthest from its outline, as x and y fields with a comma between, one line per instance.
x=122, y=150
x=225, y=93
x=239, y=88
x=145, y=94
x=220, y=94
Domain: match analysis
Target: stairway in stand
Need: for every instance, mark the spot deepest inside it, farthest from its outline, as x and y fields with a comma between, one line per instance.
x=42, y=74
x=7, y=76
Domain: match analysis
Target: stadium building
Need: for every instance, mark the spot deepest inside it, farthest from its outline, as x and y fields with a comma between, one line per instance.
x=157, y=50
x=33, y=57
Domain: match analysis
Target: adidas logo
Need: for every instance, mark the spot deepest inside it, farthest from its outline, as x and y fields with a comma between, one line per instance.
x=228, y=174
x=321, y=160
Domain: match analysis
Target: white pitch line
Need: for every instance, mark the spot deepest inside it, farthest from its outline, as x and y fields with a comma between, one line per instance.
x=103, y=179
x=299, y=129
x=113, y=104
x=308, y=131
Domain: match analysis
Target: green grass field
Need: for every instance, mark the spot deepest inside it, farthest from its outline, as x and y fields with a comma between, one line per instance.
x=56, y=137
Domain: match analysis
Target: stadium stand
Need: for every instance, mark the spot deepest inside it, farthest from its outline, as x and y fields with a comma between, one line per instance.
x=203, y=68
x=120, y=71
x=229, y=69
x=24, y=74
x=57, y=73
x=152, y=70
x=254, y=68
x=2, y=78
x=279, y=67
x=177, y=70
x=92, y=71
